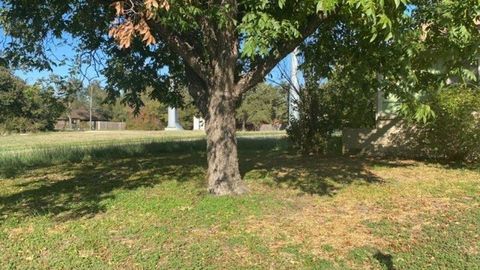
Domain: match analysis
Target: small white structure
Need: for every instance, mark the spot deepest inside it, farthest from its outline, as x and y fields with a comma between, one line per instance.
x=173, y=123
x=198, y=123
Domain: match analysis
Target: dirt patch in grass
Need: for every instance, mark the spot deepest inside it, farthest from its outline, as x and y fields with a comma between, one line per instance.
x=410, y=193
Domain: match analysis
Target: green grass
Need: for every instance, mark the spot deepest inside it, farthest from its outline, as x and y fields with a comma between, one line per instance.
x=19, y=152
x=144, y=206
x=35, y=141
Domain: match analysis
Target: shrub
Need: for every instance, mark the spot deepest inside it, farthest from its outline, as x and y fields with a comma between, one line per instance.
x=324, y=111
x=317, y=122
x=308, y=133
x=454, y=132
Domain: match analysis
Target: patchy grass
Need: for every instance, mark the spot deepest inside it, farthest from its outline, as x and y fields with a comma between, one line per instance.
x=150, y=210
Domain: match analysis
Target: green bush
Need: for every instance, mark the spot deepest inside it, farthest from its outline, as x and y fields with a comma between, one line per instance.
x=308, y=133
x=454, y=132
x=19, y=124
x=317, y=122
x=326, y=110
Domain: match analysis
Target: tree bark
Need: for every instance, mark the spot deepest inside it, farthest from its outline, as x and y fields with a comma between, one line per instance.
x=223, y=173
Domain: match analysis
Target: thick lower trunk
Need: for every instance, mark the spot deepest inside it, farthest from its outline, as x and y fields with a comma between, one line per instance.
x=223, y=170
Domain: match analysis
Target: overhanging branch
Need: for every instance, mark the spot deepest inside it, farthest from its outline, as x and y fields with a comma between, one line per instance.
x=256, y=74
x=185, y=50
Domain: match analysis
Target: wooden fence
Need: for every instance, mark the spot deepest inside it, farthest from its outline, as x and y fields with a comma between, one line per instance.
x=104, y=125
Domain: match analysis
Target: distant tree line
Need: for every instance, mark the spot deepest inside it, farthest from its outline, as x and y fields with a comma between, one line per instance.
x=266, y=104
x=31, y=108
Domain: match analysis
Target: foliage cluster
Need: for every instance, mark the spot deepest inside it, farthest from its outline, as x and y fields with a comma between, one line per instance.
x=26, y=108
x=183, y=38
x=265, y=104
x=454, y=132
x=431, y=45
x=324, y=111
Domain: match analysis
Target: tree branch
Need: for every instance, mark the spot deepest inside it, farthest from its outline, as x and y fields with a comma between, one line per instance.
x=257, y=73
x=185, y=50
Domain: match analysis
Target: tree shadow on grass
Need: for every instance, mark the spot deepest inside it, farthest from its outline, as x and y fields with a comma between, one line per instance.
x=311, y=175
x=76, y=190
x=385, y=260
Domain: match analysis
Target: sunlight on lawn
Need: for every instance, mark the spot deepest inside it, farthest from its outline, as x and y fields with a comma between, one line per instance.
x=152, y=211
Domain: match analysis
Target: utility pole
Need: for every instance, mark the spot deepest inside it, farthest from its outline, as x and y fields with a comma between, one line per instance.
x=293, y=98
x=91, y=104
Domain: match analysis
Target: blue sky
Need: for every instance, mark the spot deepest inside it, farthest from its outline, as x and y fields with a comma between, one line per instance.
x=59, y=52
x=63, y=51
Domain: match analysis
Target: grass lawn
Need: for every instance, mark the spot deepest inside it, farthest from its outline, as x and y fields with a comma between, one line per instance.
x=145, y=207
x=37, y=141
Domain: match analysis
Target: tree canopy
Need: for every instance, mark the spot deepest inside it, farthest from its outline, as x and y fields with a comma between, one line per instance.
x=431, y=43
x=182, y=36
x=24, y=107
x=218, y=49
x=265, y=104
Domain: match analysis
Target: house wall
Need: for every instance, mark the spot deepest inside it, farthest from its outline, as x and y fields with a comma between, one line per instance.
x=391, y=137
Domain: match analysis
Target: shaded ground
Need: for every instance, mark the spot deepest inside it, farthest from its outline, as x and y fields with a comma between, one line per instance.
x=151, y=211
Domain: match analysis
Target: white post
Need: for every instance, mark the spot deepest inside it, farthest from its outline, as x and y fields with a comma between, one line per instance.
x=198, y=123
x=380, y=98
x=91, y=105
x=173, y=123
x=294, y=88
x=478, y=69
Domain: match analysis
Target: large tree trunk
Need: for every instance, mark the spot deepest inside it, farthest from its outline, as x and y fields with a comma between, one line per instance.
x=223, y=170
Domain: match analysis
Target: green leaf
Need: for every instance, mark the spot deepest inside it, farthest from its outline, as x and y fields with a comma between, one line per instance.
x=326, y=5
x=389, y=36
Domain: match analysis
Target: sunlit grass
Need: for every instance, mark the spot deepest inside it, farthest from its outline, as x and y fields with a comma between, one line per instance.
x=147, y=208
x=20, y=152
x=35, y=141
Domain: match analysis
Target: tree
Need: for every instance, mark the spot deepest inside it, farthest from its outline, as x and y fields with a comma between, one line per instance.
x=432, y=42
x=219, y=49
x=12, y=98
x=26, y=108
x=114, y=111
x=152, y=115
x=71, y=92
x=263, y=105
